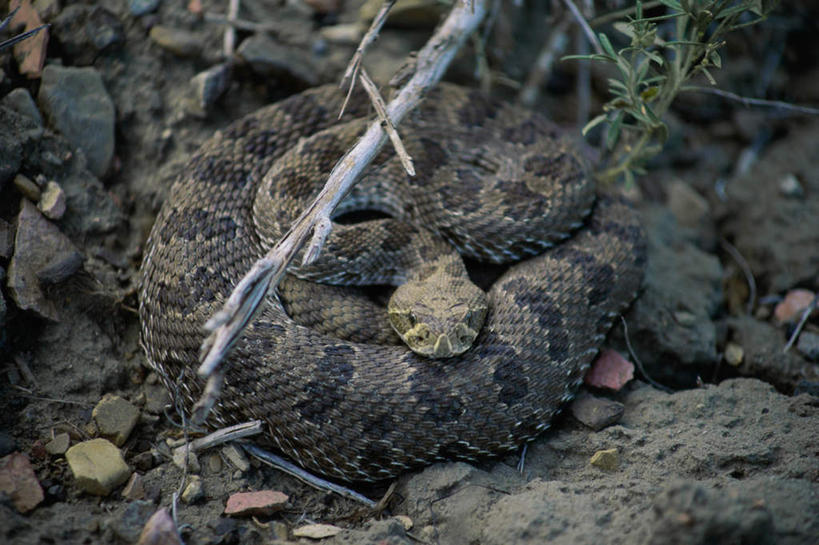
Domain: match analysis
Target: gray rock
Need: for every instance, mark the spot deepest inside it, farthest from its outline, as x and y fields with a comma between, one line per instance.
x=87, y=31
x=98, y=466
x=210, y=84
x=142, y=7
x=596, y=412
x=809, y=345
x=77, y=105
x=6, y=239
x=671, y=322
x=41, y=253
x=128, y=525
x=115, y=418
x=270, y=59
x=21, y=102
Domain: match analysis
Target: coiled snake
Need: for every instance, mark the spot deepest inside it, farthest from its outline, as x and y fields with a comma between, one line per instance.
x=493, y=180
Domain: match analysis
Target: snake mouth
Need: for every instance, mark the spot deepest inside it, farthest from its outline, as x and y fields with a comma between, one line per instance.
x=421, y=340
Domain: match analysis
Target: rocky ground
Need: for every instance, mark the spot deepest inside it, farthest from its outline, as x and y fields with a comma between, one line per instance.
x=715, y=442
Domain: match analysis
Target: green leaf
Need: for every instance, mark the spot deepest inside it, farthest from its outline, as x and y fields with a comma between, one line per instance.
x=614, y=131
x=593, y=123
x=604, y=41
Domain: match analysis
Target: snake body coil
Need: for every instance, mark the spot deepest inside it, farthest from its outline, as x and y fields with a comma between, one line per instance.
x=493, y=181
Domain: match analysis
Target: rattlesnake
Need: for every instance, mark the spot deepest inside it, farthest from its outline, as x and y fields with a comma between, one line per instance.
x=494, y=180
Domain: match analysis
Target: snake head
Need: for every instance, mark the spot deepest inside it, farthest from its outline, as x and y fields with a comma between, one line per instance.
x=435, y=322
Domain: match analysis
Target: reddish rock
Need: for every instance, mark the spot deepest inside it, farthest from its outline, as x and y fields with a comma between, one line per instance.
x=263, y=502
x=160, y=530
x=18, y=482
x=610, y=370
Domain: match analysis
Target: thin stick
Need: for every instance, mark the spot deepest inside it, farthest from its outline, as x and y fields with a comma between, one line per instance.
x=381, y=110
x=227, y=324
x=304, y=476
x=810, y=308
x=231, y=433
x=638, y=363
x=230, y=31
x=554, y=46
x=747, y=101
x=355, y=63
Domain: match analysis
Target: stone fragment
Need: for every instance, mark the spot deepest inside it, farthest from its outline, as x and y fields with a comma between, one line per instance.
x=115, y=418
x=193, y=490
x=349, y=34
x=734, y=354
x=180, y=461
x=134, y=488
x=261, y=503
x=58, y=445
x=214, y=464
x=808, y=344
x=605, y=459
x=268, y=58
x=19, y=483
x=41, y=251
x=52, y=201
x=405, y=521
x=236, y=456
x=142, y=7
x=21, y=102
x=790, y=309
x=596, y=412
x=610, y=370
x=210, y=84
x=160, y=530
x=78, y=105
x=31, y=52
x=177, y=41
x=98, y=466
x=128, y=525
x=317, y=531
x=87, y=31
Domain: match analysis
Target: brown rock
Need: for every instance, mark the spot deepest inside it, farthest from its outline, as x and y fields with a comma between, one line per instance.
x=160, y=530
x=177, y=41
x=791, y=308
x=58, y=445
x=263, y=502
x=97, y=466
x=134, y=488
x=18, y=481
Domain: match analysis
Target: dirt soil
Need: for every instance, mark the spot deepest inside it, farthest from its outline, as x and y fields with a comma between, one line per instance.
x=718, y=441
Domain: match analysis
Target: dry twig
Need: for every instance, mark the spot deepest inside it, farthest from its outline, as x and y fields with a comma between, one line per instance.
x=226, y=325
x=381, y=110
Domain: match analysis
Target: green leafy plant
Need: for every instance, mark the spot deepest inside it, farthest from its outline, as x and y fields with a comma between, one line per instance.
x=653, y=71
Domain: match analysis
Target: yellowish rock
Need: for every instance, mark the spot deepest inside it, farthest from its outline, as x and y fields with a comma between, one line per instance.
x=734, y=354
x=606, y=459
x=58, y=445
x=98, y=466
x=317, y=531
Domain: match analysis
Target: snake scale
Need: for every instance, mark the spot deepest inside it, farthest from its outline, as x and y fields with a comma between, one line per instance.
x=493, y=180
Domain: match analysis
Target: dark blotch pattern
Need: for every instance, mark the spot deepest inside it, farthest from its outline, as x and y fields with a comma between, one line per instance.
x=510, y=376
x=431, y=157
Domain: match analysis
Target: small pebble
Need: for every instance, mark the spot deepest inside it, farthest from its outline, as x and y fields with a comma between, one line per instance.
x=52, y=201
x=790, y=309
x=405, y=521
x=684, y=318
x=98, y=466
x=21, y=102
x=789, y=186
x=236, y=456
x=214, y=462
x=596, y=412
x=605, y=459
x=808, y=344
x=261, y=503
x=58, y=445
x=193, y=490
x=192, y=461
x=115, y=418
x=734, y=354
x=317, y=531
x=209, y=85
x=27, y=187
x=177, y=41
x=19, y=483
x=349, y=34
